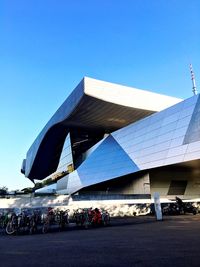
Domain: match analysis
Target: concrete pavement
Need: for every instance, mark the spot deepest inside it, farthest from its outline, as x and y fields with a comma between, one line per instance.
x=136, y=241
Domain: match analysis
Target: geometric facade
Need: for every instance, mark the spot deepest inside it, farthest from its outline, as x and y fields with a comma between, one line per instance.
x=116, y=134
x=162, y=139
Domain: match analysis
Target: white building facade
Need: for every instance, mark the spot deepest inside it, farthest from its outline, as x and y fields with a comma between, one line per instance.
x=120, y=140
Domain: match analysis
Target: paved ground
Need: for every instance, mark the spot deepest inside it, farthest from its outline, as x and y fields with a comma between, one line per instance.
x=137, y=241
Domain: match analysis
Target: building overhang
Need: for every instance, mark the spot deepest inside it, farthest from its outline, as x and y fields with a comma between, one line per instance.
x=92, y=109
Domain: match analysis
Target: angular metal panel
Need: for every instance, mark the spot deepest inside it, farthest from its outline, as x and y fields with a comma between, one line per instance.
x=193, y=132
x=108, y=161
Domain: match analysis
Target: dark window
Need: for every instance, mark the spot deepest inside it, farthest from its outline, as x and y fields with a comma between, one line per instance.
x=177, y=187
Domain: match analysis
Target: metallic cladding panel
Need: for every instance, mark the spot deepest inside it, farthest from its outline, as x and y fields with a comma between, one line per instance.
x=128, y=96
x=74, y=183
x=62, y=183
x=158, y=139
x=193, y=132
x=66, y=158
x=61, y=114
x=93, y=113
x=108, y=161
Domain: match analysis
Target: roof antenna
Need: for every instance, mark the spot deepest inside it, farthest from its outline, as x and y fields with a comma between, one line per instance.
x=194, y=88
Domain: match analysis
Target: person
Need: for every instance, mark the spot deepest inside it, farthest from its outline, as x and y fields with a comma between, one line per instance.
x=180, y=204
x=97, y=216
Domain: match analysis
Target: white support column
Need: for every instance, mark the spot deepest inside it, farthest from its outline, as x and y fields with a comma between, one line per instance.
x=157, y=205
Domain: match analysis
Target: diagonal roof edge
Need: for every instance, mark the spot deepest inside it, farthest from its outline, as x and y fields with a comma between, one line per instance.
x=128, y=96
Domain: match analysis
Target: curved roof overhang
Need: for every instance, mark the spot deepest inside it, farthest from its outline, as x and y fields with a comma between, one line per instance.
x=94, y=107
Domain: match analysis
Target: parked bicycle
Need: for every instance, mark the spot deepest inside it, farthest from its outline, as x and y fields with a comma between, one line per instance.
x=3, y=219
x=54, y=217
x=91, y=217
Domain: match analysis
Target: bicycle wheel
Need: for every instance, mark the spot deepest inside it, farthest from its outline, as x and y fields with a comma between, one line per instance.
x=106, y=220
x=45, y=228
x=32, y=228
x=10, y=229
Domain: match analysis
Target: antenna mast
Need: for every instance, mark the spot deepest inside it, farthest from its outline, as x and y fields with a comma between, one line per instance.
x=194, y=88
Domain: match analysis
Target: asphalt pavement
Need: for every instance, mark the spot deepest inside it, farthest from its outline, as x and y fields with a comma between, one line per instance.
x=136, y=241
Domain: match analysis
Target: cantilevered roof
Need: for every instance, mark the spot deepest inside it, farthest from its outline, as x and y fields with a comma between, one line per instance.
x=93, y=106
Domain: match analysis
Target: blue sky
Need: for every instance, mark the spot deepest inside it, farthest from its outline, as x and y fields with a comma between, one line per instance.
x=46, y=47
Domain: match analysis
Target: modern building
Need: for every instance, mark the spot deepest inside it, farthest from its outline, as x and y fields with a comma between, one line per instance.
x=113, y=139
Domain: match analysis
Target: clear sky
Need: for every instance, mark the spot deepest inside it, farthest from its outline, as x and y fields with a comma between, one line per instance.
x=47, y=46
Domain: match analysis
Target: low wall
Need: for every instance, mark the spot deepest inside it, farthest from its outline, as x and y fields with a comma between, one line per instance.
x=31, y=201
x=116, y=207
